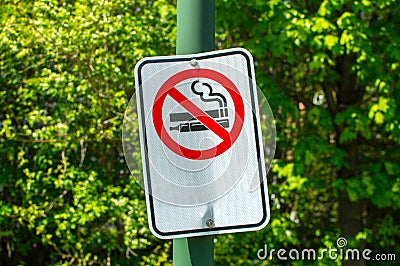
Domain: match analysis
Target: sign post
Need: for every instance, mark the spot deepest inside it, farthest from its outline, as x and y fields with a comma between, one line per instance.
x=195, y=34
x=201, y=140
x=202, y=148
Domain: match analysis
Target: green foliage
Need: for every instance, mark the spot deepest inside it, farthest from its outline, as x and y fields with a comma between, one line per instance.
x=66, y=77
x=330, y=70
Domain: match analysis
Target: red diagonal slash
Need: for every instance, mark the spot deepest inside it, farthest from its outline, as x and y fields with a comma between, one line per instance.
x=199, y=114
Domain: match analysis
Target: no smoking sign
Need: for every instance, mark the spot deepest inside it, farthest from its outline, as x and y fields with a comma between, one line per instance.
x=201, y=144
x=206, y=121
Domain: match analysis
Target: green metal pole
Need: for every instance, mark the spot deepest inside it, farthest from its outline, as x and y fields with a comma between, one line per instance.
x=196, y=26
x=195, y=33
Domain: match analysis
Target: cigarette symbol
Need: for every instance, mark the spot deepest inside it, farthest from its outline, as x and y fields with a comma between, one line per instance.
x=191, y=123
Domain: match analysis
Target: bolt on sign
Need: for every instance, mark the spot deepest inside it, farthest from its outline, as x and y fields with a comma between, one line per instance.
x=201, y=141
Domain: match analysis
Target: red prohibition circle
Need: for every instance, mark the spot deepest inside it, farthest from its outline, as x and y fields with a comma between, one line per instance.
x=228, y=138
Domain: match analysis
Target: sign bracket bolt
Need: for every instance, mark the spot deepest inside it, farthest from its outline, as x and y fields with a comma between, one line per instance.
x=193, y=62
x=210, y=223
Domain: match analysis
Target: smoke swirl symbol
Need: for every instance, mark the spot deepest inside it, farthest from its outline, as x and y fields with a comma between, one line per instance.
x=341, y=242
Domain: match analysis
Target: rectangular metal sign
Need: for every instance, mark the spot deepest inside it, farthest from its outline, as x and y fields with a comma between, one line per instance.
x=202, y=152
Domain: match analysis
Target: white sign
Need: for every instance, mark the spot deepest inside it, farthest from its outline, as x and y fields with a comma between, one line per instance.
x=201, y=145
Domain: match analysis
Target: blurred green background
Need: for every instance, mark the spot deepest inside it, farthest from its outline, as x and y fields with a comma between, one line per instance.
x=329, y=69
